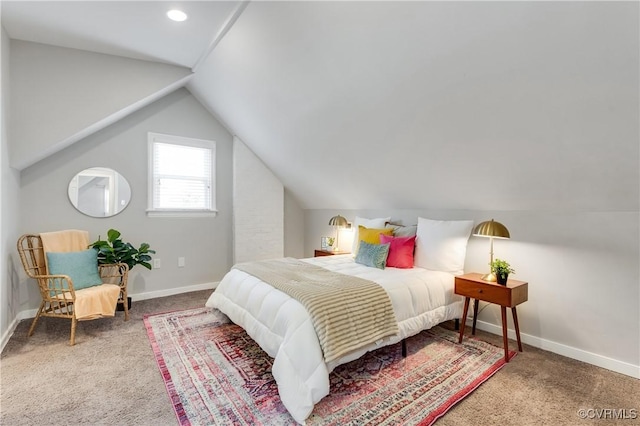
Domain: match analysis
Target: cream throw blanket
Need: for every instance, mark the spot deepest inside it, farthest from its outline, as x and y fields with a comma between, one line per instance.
x=64, y=242
x=347, y=312
x=92, y=302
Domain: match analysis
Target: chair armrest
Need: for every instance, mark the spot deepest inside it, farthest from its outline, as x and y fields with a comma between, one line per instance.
x=56, y=287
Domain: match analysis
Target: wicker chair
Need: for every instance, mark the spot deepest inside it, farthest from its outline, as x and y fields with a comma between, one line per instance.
x=57, y=292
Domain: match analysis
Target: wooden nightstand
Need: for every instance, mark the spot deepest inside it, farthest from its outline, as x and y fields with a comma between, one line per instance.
x=318, y=253
x=507, y=296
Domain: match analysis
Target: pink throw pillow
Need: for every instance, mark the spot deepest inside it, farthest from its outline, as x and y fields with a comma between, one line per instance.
x=400, y=250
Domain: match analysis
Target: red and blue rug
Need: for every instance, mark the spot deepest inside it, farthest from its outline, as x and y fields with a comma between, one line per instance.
x=216, y=374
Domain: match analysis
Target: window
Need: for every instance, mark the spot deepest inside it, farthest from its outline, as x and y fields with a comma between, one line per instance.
x=181, y=176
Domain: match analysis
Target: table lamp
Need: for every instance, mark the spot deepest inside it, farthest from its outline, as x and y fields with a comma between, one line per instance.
x=491, y=229
x=339, y=222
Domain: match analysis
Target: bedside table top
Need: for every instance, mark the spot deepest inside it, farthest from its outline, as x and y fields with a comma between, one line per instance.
x=477, y=277
x=318, y=252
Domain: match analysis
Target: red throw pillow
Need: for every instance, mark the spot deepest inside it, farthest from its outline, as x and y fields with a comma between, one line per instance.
x=400, y=250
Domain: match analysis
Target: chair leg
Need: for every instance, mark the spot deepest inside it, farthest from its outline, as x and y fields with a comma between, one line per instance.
x=35, y=320
x=125, y=305
x=74, y=322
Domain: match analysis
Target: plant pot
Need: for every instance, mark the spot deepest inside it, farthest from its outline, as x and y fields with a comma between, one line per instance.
x=502, y=279
x=120, y=307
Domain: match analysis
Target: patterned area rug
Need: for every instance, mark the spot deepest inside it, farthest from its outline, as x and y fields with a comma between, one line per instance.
x=216, y=374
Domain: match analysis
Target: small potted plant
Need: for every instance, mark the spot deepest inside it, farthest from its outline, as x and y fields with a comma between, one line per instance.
x=501, y=269
x=330, y=241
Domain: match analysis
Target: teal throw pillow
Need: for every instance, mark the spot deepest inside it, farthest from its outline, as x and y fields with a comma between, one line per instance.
x=374, y=255
x=80, y=266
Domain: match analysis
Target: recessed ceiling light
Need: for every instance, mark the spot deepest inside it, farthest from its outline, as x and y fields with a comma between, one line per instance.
x=177, y=15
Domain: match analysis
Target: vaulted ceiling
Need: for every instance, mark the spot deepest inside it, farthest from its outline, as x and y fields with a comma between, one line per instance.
x=450, y=105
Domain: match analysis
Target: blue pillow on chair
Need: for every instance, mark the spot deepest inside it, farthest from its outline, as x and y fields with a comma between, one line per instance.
x=80, y=266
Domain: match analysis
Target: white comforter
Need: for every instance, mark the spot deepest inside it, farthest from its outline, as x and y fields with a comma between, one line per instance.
x=283, y=328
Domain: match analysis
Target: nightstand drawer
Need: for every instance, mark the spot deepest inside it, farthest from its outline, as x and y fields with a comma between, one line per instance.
x=479, y=291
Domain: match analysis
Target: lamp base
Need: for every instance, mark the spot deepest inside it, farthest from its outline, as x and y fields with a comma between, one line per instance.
x=490, y=277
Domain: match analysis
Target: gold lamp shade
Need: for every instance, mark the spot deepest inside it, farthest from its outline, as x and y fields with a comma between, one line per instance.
x=339, y=222
x=491, y=229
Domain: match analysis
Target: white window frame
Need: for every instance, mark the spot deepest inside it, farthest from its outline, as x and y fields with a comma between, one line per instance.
x=179, y=140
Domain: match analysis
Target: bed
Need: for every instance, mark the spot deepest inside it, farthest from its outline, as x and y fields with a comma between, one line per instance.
x=281, y=325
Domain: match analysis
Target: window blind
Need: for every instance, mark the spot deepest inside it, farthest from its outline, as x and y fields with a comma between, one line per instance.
x=181, y=177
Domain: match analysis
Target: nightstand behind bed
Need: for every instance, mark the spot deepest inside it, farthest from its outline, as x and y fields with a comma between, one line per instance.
x=318, y=253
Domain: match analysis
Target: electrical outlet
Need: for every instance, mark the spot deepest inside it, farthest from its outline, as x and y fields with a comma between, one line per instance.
x=181, y=262
x=156, y=264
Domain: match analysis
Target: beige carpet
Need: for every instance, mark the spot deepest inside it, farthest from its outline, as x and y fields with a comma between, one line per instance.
x=110, y=378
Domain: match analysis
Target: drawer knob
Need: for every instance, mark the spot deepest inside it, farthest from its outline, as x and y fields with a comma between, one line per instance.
x=480, y=291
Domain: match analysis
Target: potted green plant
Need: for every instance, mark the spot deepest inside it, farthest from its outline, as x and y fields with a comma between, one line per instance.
x=114, y=250
x=330, y=241
x=501, y=269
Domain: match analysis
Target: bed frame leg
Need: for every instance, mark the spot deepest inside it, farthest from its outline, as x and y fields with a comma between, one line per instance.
x=457, y=324
x=404, y=348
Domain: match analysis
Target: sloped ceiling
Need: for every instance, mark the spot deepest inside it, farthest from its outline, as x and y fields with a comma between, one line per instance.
x=133, y=29
x=80, y=93
x=449, y=105
x=453, y=105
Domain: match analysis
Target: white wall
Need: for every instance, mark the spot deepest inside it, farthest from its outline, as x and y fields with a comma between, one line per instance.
x=59, y=93
x=206, y=243
x=293, y=226
x=258, y=208
x=582, y=270
x=9, y=217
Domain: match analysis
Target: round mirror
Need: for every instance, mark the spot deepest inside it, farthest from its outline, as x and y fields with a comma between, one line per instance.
x=99, y=192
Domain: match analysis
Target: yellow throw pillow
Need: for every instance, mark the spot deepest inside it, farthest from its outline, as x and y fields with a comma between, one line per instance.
x=372, y=235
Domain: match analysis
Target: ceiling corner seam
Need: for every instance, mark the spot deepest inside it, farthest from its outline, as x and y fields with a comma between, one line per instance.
x=220, y=34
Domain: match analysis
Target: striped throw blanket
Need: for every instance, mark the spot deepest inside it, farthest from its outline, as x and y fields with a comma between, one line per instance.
x=347, y=312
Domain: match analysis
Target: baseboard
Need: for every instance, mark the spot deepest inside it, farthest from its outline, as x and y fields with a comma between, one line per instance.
x=31, y=313
x=7, y=334
x=564, y=350
x=172, y=291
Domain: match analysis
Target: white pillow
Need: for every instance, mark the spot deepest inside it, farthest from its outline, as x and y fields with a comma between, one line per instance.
x=377, y=223
x=441, y=245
